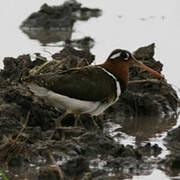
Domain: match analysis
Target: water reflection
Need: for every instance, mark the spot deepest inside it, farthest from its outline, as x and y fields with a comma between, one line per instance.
x=144, y=128
x=47, y=36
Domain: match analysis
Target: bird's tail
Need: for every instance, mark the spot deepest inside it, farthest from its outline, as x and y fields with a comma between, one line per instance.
x=38, y=90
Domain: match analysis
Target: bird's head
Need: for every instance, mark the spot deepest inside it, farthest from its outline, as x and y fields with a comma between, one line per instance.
x=119, y=61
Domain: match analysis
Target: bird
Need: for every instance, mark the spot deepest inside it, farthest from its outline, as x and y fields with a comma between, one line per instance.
x=87, y=90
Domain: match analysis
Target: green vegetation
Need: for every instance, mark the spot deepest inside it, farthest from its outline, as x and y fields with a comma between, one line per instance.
x=3, y=175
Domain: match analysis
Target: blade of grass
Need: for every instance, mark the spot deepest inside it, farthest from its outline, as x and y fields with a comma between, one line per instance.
x=3, y=175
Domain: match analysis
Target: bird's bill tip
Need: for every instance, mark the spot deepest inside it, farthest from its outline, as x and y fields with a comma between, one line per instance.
x=143, y=66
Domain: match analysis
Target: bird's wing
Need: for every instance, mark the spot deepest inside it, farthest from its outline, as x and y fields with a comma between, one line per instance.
x=88, y=83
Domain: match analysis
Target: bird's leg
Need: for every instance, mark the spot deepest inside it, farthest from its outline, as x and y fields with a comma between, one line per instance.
x=59, y=125
x=77, y=116
x=101, y=117
x=94, y=121
x=59, y=119
x=101, y=120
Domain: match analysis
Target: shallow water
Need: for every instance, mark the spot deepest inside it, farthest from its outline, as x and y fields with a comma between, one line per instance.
x=124, y=24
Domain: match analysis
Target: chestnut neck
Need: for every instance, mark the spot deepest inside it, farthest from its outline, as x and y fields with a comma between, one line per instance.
x=120, y=70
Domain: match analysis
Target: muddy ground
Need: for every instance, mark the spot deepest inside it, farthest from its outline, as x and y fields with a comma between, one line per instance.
x=29, y=148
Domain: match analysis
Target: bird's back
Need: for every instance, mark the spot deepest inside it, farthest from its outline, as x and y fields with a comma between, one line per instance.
x=89, y=83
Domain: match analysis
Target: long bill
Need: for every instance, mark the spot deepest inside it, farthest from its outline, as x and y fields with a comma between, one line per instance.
x=143, y=66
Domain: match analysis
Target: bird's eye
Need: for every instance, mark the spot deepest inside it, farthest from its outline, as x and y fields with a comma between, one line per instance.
x=120, y=54
x=125, y=56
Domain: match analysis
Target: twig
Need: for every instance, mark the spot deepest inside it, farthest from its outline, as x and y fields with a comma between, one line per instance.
x=20, y=133
x=58, y=168
x=45, y=50
x=87, y=62
x=41, y=58
x=146, y=80
x=60, y=45
x=24, y=126
x=46, y=64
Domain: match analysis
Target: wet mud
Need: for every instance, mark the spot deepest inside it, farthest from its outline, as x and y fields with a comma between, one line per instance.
x=27, y=124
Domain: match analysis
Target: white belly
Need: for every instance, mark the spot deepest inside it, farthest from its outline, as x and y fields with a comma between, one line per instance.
x=75, y=105
x=69, y=104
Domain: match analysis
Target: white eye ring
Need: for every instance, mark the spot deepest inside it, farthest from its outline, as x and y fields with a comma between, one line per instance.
x=127, y=56
x=116, y=55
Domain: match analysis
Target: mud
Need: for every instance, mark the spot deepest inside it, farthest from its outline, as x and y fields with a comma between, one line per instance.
x=171, y=164
x=30, y=149
x=173, y=139
x=55, y=23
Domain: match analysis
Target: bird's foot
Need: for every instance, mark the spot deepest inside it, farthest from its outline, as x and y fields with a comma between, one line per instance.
x=66, y=132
